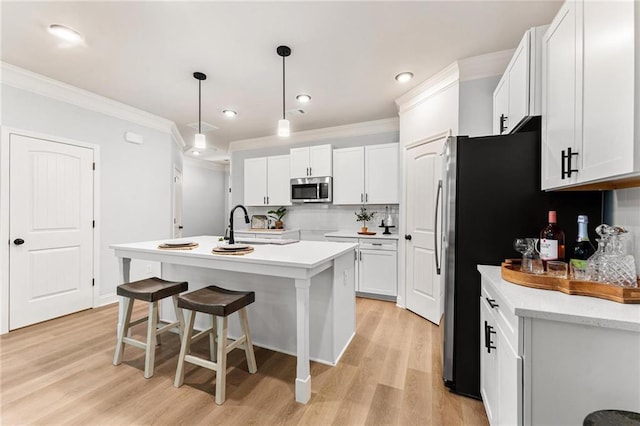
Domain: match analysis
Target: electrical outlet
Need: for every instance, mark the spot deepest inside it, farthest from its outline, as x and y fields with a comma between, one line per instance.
x=345, y=278
x=149, y=269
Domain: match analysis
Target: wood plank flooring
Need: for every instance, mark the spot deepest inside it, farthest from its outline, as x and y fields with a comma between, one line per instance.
x=60, y=372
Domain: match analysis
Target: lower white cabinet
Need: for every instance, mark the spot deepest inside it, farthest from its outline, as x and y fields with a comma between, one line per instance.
x=561, y=358
x=376, y=264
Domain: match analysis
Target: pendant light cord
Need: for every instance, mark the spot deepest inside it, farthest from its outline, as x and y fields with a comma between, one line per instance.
x=199, y=105
x=283, y=92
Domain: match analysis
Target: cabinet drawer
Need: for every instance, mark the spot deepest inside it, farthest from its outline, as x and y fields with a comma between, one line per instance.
x=505, y=320
x=378, y=244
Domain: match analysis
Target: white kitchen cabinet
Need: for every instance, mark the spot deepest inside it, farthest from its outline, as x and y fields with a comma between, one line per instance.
x=554, y=358
x=590, y=121
x=311, y=161
x=266, y=181
x=366, y=175
x=268, y=234
x=376, y=266
x=517, y=95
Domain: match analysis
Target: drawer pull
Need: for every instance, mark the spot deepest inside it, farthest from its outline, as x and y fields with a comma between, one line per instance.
x=488, y=330
x=376, y=244
x=492, y=302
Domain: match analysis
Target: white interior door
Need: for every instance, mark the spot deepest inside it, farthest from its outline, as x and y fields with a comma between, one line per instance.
x=424, y=174
x=177, y=203
x=51, y=236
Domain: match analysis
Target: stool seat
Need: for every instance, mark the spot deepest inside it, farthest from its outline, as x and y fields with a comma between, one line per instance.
x=216, y=301
x=151, y=289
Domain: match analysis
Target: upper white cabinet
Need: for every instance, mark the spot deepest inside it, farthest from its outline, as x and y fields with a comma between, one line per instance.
x=311, y=161
x=517, y=95
x=591, y=89
x=266, y=181
x=366, y=175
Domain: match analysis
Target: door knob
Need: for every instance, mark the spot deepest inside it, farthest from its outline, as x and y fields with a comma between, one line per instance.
x=407, y=237
x=180, y=227
x=18, y=241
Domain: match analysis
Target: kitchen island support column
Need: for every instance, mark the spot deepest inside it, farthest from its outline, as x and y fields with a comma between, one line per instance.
x=303, y=369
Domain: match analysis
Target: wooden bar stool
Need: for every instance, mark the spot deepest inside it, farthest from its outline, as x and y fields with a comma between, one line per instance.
x=149, y=290
x=219, y=303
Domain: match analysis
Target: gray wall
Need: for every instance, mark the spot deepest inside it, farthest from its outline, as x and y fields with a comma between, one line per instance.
x=136, y=180
x=476, y=106
x=204, y=191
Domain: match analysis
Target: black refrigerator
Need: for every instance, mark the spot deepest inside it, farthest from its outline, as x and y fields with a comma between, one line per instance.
x=491, y=195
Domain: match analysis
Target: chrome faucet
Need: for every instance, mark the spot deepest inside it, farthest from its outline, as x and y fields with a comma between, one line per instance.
x=246, y=219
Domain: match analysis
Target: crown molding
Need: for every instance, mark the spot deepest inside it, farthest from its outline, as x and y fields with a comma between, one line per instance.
x=442, y=80
x=483, y=66
x=348, y=130
x=39, y=84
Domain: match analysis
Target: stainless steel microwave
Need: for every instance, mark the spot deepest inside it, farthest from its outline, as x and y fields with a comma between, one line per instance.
x=312, y=190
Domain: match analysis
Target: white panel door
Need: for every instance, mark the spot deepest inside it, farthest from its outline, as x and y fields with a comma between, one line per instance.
x=320, y=157
x=424, y=177
x=299, y=162
x=489, y=365
x=278, y=183
x=177, y=203
x=51, y=210
x=501, y=106
x=519, y=83
x=378, y=272
x=348, y=175
x=381, y=174
x=608, y=97
x=560, y=90
x=255, y=181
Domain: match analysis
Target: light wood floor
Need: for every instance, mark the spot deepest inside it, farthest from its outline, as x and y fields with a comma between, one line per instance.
x=60, y=372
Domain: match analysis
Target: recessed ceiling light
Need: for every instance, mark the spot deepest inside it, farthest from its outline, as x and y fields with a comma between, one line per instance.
x=196, y=153
x=229, y=113
x=403, y=77
x=303, y=98
x=65, y=33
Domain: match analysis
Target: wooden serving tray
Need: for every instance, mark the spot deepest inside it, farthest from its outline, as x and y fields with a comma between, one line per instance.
x=511, y=272
x=224, y=252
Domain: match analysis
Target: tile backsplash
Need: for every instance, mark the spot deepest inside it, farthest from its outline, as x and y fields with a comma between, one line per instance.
x=315, y=220
x=626, y=212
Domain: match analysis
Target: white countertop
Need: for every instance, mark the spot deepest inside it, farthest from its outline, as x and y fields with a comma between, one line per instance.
x=301, y=254
x=556, y=306
x=354, y=234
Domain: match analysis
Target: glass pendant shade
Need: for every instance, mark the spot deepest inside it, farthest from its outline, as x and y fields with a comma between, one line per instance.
x=200, y=141
x=283, y=128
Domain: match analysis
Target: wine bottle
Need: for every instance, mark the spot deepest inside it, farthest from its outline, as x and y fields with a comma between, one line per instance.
x=583, y=249
x=551, y=240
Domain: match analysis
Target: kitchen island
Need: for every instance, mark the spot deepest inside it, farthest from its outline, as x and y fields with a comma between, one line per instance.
x=305, y=296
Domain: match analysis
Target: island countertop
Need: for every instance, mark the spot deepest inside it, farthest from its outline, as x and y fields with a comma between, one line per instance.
x=301, y=254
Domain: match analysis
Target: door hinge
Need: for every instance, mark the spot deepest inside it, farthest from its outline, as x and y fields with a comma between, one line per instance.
x=93, y=282
x=93, y=223
x=94, y=166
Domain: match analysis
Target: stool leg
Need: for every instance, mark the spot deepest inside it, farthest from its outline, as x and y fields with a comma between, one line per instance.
x=248, y=344
x=124, y=330
x=152, y=327
x=185, y=347
x=212, y=339
x=158, y=336
x=221, y=371
x=179, y=315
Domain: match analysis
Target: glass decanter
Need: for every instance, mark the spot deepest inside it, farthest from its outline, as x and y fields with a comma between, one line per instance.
x=610, y=263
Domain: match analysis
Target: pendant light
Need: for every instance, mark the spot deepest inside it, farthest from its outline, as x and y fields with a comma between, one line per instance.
x=200, y=141
x=283, y=124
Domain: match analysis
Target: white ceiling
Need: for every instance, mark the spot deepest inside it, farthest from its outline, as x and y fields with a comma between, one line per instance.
x=344, y=54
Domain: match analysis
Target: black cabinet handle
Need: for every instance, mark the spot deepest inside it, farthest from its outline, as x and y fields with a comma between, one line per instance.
x=180, y=227
x=408, y=237
x=488, y=331
x=18, y=241
x=492, y=302
x=568, y=169
x=503, y=127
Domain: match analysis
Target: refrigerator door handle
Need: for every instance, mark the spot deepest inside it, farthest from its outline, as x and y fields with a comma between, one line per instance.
x=435, y=226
